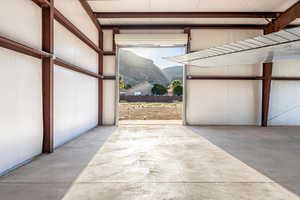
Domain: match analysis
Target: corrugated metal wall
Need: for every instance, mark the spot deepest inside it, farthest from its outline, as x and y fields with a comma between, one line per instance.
x=75, y=94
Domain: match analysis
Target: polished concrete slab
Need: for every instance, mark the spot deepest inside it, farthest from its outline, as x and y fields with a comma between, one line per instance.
x=164, y=162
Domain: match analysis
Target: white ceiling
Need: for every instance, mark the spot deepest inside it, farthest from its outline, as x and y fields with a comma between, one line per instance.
x=190, y=5
x=182, y=21
x=125, y=21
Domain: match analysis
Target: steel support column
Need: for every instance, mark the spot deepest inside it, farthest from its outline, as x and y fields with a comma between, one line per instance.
x=47, y=76
x=266, y=92
x=100, y=81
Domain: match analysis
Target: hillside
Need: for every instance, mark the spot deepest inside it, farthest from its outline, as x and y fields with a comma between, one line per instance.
x=173, y=73
x=135, y=69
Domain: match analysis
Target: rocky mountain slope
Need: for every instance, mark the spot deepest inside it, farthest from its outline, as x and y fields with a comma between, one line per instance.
x=173, y=73
x=135, y=69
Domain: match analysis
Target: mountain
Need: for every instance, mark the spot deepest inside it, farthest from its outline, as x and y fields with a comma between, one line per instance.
x=136, y=69
x=173, y=73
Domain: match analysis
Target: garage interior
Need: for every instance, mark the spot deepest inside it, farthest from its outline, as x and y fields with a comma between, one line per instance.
x=59, y=138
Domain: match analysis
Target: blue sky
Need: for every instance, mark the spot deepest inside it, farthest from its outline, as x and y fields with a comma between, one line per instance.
x=157, y=54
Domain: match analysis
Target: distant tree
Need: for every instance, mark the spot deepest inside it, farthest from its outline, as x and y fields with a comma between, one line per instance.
x=159, y=89
x=177, y=90
x=175, y=83
x=121, y=82
x=128, y=86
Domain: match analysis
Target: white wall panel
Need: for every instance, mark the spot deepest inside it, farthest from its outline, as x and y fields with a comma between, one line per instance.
x=68, y=47
x=21, y=122
x=75, y=104
x=74, y=12
x=223, y=102
x=76, y=95
x=206, y=38
x=109, y=90
x=21, y=21
x=285, y=103
x=285, y=95
x=230, y=70
x=288, y=68
x=107, y=40
x=109, y=65
x=109, y=99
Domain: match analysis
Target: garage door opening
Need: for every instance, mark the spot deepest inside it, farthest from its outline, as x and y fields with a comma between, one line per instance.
x=150, y=87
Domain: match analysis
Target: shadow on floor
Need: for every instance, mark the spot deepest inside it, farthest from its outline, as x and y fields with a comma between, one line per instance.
x=273, y=151
x=164, y=162
x=50, y=176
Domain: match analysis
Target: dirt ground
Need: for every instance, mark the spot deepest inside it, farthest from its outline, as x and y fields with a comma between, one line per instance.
x=150, y=111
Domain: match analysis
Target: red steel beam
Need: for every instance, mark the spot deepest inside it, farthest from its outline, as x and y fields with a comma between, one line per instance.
x=282, y=78
x=89, y=11
x=75, y=68
x=70, y=26
x=42, y=3
x=284, y=19
x=275, y=78
x=47, y=76
x=21, y=48
x=100, y=81
x=109, y=53
x=115, y=31
x=186, y=14
x=266, y=91
x=224, y=77
x=187, y=31
x=73, y=29
x=192, y=26
x=109, y=78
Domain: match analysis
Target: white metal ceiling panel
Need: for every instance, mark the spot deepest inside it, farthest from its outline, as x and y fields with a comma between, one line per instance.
x=190, y=5
x=151, y=39
x=182, y=21
x=279, y=46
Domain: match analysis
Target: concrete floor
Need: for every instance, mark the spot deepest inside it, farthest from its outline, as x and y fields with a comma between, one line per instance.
x=165, y=162
x=150, y=122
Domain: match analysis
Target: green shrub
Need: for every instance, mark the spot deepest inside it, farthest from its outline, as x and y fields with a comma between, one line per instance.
x=128, y=86
x=175, y=83
x=159, y=89
x=177, y=90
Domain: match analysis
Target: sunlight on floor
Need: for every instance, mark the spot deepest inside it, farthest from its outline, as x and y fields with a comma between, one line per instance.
x=150, y=122
x=169, y=162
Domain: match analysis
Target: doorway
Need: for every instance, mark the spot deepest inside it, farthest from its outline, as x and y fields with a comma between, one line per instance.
x=150, y=89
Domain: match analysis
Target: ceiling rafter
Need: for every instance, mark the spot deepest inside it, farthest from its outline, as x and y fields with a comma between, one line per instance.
x=187, y=14
x=284, y=19
x=42, y=3
x=182, y=26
